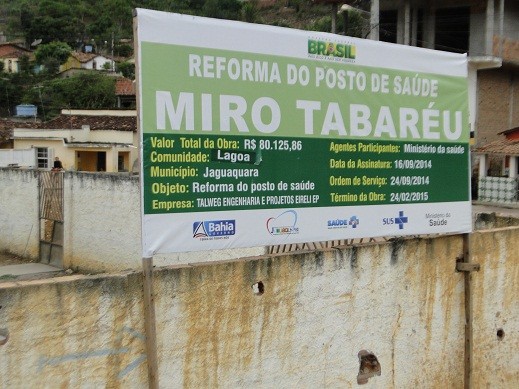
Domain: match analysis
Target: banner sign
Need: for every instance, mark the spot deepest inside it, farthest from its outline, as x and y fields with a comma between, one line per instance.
x=256, y=135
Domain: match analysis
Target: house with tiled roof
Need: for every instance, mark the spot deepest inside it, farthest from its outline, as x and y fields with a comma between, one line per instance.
x=88, y=61
x=9, y=156
x=10, y=55
x=503, y=186
x=84, y=140
x=125, y=92
x=6, y=130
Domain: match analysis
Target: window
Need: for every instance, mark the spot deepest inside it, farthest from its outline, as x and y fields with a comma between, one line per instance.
x=101, y=161
x=452, y=29
x=388, y=25
x=120, y=163
x=43, y=157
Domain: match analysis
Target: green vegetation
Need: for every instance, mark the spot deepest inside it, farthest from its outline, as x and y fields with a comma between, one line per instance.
x=52, y=55
x=54, y=28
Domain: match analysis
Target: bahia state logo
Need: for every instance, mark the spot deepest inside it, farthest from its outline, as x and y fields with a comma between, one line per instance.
x=352, y=222
x=283, y=224
x=400, y=220
x=214, y=229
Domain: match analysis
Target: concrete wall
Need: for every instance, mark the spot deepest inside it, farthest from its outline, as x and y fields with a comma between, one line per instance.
x=402, y=301
x=496, y=308
x=102, y=222
x=19, y=212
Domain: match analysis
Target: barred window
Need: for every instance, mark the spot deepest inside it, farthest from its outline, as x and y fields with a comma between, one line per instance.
x=43, y=157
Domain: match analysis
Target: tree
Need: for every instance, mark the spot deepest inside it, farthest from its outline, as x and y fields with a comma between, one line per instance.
x=127, y=69
x=123, y=50
x=51, y=21
x=12, y=87
x=249, y=11
x=84, y=91
x=52, y=55
x=24, y=64
x=222, y=9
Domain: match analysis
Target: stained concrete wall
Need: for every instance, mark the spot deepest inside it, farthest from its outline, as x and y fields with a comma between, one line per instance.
x=102, y=222
x=496, y=308
x=403, y=301
x=19, y=212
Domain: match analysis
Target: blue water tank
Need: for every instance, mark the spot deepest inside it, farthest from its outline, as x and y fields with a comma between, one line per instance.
x=26, y=110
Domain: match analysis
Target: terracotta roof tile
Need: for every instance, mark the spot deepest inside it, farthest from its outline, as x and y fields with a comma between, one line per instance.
x=124, y=87
x=9, y=50
x=64, y=122
x=6, y=127
x=118, y=123
x=83, y=57
x=502, y=147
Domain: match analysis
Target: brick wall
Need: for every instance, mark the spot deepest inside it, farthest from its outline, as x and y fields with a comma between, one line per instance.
x=498, y=104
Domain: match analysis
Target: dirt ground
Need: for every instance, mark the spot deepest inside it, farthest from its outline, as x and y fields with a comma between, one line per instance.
x=11, y=259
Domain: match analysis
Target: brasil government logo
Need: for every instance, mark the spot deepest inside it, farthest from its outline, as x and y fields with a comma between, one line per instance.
x=331, y=49
x=214, y=228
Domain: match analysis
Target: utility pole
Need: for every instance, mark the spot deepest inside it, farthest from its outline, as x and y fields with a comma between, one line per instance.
x=335, y=5
x=113, y=61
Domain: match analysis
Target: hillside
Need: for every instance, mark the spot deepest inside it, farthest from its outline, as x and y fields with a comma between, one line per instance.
x=51, y=27
x=34, y=21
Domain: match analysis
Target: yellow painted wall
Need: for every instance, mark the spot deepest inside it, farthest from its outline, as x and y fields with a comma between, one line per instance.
x=72, y=63
x=88, y=157
x=66, y=155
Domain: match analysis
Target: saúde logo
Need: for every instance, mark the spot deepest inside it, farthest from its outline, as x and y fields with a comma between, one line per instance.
x=337, y=223
x=283, y=224
x=214, y=229
x=352, y=222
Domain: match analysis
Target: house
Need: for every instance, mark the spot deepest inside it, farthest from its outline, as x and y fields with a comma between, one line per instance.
x=8, y=156
x=125, y=92
x=10, y=55
x=90, y=61
x=102, y=141
x=484, y=29
x=500, y=186
x=6, y=130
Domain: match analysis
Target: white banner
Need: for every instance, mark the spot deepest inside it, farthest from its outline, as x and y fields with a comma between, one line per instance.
x=256, y=135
